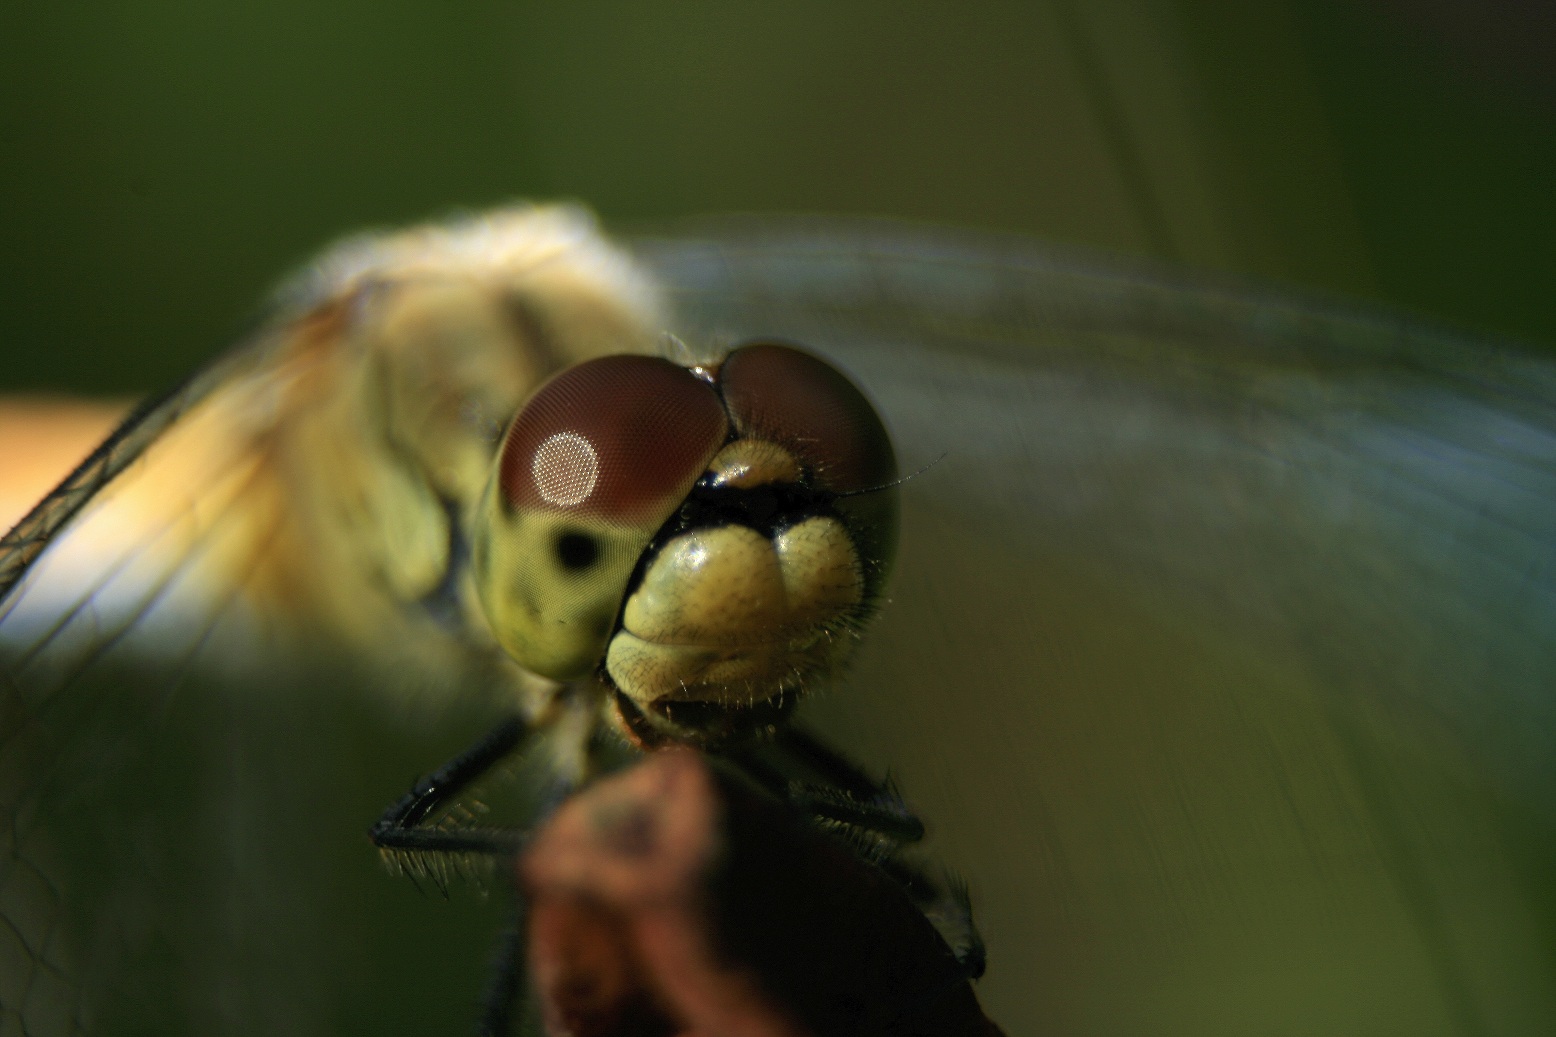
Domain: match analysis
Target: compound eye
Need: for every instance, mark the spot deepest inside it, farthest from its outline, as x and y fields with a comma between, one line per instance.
x=602, y=455
x=779, y=393
x=618, y=440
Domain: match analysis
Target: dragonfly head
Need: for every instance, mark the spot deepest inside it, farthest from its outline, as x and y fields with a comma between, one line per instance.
x=708, y=541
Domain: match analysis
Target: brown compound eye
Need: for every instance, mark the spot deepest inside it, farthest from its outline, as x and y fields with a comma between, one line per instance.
x=782, y=394
x=619, y=440
x=598, y=460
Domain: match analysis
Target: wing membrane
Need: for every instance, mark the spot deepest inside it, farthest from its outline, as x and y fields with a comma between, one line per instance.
x=1222, y=638
x=132, y=575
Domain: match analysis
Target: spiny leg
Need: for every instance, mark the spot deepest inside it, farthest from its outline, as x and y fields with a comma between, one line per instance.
x=400, y=830
x=872, y=819
x=820, y=783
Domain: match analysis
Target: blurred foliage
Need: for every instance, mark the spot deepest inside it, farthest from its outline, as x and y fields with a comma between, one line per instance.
x=162, y=162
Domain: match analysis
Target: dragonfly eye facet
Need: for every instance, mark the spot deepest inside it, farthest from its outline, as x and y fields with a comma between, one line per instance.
x=782, y=395
x=590, y=469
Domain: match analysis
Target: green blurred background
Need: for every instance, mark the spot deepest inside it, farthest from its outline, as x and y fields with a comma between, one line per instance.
x=163, y=162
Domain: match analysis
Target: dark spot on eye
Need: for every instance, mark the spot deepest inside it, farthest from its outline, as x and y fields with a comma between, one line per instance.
x=577, y=551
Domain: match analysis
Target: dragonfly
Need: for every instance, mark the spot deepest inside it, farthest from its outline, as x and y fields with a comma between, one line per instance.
x=1218, y=646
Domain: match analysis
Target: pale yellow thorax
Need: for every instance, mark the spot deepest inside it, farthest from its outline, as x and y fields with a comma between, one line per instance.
x=312, y=496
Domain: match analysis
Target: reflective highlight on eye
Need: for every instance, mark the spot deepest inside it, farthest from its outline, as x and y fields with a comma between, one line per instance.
x=650, y=426
x=565, y=469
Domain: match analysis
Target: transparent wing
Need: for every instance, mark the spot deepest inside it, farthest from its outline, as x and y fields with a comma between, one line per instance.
x=53, y=586
x=221, y=639
x=1221, y=647
x=116, y=562
x=162, y=741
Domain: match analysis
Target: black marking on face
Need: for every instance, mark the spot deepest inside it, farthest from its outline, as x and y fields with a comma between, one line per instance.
x=768, y=509
x=577, y=551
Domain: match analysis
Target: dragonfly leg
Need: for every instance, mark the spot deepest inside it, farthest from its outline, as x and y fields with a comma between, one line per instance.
x=830, y=764
x=884, y=815
x=950, y=911
x=873, y=819
x=500, y=1001
x=946, y=903
x=402, y=829
x=822, y=784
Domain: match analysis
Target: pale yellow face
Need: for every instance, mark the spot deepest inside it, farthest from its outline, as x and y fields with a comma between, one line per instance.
x=727, y=614
x=708, y=542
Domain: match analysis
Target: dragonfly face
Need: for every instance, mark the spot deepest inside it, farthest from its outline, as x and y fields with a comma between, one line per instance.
x=720, y=513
